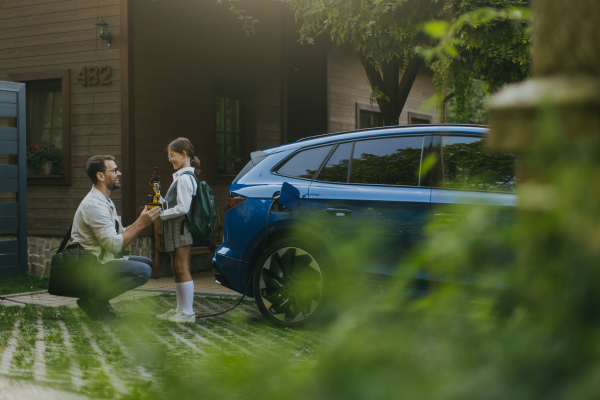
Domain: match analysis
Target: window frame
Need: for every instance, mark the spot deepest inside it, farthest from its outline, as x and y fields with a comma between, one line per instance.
x=412, y=115
x=62, y=74
x=426, y=149
x=365, y=107
x=331, y=153
x=425, y=135
x=246, y=93
x=438, y=171
x=333, y=145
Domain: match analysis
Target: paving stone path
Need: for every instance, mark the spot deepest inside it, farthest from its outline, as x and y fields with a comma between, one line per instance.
x=61, y=348
x=204, y=285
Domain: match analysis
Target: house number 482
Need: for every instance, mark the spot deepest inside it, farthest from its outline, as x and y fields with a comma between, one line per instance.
x=95, y=75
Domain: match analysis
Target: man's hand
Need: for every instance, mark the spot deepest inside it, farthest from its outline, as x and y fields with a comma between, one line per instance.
x=147, y=217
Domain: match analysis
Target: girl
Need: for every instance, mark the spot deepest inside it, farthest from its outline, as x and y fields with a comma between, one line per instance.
x=176, y=235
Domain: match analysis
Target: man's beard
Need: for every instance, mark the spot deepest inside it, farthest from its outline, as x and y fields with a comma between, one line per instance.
x=113, y=185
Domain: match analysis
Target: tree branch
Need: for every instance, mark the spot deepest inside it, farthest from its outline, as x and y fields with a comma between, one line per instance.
x=408, y=78
x=376, y=82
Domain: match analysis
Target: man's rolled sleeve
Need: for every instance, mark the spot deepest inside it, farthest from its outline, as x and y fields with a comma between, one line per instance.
x=104, y=229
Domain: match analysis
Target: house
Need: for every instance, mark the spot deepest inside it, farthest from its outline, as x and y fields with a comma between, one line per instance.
x=173, y=68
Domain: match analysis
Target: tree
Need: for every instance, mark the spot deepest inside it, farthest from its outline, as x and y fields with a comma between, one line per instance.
x=484, y=39
x=383, y=33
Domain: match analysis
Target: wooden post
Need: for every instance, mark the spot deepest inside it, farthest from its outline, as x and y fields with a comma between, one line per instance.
x=566, y=73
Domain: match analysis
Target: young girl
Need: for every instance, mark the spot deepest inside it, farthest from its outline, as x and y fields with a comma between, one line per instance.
x=177, y=237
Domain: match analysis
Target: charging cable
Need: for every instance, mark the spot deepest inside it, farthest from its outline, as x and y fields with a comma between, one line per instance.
x=251, y=279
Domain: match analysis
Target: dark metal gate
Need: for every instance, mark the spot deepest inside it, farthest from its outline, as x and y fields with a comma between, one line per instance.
x=13, y=180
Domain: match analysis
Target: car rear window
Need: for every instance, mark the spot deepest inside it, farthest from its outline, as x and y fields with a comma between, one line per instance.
x=468, y=164
x=336, y=169
x=387, y=161
x=305, y=163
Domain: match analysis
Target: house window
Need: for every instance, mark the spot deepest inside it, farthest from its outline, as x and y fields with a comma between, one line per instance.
x=370, y=119
x=229, y=134
x=368, y=116
x=44, y=113
x=418, y=119
x=48, y=121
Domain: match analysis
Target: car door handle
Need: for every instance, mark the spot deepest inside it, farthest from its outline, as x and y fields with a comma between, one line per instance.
x=338, y=212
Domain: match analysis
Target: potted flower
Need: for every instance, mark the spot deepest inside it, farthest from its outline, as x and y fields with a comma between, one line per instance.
x=41, y=158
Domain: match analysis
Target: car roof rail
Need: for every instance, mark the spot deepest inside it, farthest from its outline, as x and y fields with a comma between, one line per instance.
x=388, y=127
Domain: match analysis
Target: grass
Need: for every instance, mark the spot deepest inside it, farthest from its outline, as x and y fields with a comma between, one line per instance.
x=127, y=358
x=22, y=284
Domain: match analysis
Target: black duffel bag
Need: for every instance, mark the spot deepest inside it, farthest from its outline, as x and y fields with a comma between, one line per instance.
x=73, y=271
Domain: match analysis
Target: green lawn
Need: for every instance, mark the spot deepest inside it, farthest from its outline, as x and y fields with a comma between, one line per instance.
x=22, y=284
x=135, y=356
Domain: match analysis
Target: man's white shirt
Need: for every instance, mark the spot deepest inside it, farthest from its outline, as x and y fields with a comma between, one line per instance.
x=94, y=226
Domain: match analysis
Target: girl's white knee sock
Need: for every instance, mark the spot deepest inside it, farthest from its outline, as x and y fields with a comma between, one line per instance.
x=187, y=296
x=179, y=297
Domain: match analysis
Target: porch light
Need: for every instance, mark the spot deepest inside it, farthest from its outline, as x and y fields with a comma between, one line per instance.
x=103, y=33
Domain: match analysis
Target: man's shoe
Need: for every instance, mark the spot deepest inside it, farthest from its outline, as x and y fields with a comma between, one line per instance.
x=183, y=317
x=165, y=316
x=105, y=312
x=88, y=307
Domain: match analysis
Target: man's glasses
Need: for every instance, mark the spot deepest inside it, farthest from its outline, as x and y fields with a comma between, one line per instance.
x=113, y=169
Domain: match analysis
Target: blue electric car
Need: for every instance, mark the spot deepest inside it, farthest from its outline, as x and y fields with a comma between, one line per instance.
x=376, y=189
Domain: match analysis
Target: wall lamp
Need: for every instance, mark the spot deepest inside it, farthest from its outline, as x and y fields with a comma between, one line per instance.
x=103, y=32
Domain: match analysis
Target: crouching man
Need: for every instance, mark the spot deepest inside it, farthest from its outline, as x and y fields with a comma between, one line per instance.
x=97, y=227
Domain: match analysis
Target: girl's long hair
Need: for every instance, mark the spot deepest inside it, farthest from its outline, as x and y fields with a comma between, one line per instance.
x=182, y=144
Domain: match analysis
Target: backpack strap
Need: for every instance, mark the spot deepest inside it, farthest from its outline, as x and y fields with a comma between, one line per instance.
x=195, y=179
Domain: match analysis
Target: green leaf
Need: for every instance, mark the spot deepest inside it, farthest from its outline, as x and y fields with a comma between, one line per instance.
x=436, y=29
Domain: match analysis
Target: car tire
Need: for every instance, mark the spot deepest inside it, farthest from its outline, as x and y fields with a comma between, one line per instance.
x=289, y=280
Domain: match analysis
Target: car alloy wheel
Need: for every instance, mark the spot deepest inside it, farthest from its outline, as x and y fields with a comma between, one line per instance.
x=290, y=285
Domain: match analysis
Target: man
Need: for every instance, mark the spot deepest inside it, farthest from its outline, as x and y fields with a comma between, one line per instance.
x=97, y=227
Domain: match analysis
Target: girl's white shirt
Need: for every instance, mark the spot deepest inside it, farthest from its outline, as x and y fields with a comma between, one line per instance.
x=186, y=188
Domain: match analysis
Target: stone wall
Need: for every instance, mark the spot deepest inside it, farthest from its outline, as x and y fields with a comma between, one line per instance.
x=40, y=250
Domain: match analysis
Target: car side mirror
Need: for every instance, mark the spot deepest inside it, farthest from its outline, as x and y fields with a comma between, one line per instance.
x=289, y=196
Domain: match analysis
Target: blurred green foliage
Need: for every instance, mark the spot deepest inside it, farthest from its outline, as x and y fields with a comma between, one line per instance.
x=472, y=107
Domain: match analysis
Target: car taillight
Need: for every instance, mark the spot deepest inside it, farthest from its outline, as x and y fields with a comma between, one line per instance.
x=234, y=201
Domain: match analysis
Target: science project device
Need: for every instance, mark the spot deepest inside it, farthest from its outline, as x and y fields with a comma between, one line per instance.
x=155, y=199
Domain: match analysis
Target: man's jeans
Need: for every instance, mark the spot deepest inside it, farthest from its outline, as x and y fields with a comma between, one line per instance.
x=118, y=276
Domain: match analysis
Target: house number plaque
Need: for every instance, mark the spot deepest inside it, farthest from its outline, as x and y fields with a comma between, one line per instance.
x=95, y=75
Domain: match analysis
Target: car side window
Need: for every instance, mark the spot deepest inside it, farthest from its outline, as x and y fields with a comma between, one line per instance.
x=336, y=169
x=387, y=161
x=467, y=164
x=305, y=163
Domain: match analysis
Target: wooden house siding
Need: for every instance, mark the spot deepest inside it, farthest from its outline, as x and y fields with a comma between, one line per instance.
x=41, y=35
x=348, y=85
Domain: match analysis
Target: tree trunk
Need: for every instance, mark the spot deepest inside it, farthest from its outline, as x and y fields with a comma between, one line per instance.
x=394, y=93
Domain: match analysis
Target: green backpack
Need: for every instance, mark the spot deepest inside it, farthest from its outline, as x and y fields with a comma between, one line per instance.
x=203, y=212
